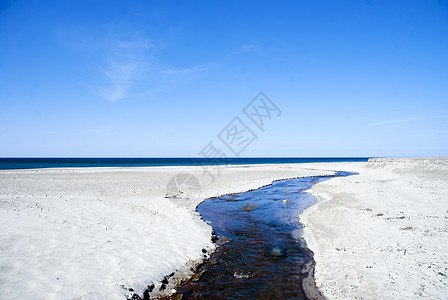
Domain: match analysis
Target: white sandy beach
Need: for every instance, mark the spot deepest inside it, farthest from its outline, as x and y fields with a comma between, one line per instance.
x=87, y=233
x=95, y=233
x=382, y=234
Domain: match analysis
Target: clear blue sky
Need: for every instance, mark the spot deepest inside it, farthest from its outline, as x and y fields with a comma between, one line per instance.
x=163, y=78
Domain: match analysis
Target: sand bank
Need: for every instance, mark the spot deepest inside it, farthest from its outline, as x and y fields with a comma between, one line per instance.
x=97, y=233
x=382, y=234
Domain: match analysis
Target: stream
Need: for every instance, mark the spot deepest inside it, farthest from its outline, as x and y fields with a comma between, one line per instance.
x=260, y=252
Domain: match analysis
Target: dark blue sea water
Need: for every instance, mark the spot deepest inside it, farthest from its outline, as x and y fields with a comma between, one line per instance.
x=34, y=163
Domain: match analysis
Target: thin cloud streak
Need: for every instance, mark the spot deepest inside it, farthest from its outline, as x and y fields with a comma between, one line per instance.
x=405, y=120
x=254, y=49
x=151, y=91
x=136, y=44
x=179, y=71
x=127, y=63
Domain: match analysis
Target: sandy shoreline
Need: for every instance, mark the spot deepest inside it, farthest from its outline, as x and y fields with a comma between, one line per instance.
x=87, y=233
x=382, y=234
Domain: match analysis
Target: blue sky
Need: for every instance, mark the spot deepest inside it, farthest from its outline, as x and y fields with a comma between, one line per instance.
x=163, y=78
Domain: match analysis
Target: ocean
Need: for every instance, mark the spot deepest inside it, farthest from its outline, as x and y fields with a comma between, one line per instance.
x=37, y=163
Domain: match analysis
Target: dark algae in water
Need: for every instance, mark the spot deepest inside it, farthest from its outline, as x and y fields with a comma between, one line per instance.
x=260, y=254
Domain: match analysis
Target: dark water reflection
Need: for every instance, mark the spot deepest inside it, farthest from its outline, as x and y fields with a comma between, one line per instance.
x=260, y=254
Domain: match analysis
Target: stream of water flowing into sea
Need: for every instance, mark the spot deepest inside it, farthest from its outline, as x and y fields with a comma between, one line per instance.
x=260, y=253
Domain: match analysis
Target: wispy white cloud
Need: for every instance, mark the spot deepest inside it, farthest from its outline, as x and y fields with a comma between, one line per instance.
x=248, y=48
x=151, y=91
x=178, y=71
x=114, y=92
x=405, y=120
x=127, y=62
x=254, y=50
x=121, y=75
x=136, y=44
x=131, y=70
